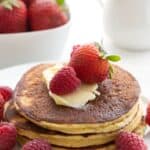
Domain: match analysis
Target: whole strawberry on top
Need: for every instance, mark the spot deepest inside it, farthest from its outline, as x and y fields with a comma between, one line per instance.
x=13, y=16
x=46, y=14
x=91, y=63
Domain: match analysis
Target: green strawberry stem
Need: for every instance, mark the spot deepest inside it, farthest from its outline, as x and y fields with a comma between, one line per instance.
x=9, y=4
x=60, y=2
x=113, y=58
x=103, y=55
x=111, y=71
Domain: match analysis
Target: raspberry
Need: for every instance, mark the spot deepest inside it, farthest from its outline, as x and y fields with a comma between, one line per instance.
x=6, y=92
x=37, y=144
x=8, y=135
x=65, y=81
x=130, y=141
x=2, y=103
x=147, y=118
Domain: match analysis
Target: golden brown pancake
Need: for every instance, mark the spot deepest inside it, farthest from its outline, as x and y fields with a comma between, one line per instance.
x=118, y=96
x=29, y=130
x=110, y=146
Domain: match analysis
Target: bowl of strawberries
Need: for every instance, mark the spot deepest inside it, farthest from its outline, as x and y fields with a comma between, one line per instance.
x=32, y=30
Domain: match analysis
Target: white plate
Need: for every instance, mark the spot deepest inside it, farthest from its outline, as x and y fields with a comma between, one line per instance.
x=11, y=76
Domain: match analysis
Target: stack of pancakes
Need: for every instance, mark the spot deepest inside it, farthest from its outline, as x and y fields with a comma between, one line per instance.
x=93, y=127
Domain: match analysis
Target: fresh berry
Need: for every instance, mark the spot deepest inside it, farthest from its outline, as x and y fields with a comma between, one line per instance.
x=147, y=118
x=2, y=103
x=37, y=144
x=90, y=68
x=65, y=81
x=130, y=141
x=6, y=92
x=46, y=14
x=8, y=135
x=13, y=16
x=90, y=63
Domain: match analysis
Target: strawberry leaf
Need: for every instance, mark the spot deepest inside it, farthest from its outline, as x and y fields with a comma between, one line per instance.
x=101, y=50
x=113, y=58
x=60, y=2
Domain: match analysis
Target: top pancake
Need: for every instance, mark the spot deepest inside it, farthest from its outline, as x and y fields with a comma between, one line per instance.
x=118, y=96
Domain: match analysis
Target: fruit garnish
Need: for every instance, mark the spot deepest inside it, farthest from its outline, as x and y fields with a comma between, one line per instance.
x=2, y=103
x=46, y=14
x=8, y=135
x=91, y=63
x=130, y=141
x=6, y=92
x=60, y=2
x=147, y=118
x=37, y=144
x=13, y=16
x=65, y=81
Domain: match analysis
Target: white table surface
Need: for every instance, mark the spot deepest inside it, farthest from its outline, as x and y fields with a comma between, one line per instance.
x=87, y=27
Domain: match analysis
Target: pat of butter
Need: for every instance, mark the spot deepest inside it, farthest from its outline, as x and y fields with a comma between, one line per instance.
x=76, y=99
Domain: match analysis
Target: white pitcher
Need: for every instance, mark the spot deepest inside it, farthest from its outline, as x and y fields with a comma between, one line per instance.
x=127, y=23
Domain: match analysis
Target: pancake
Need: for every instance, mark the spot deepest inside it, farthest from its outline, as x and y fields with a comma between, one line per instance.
x=118, y=96
x=22, y=140
x=29, y=130
x=110, y=146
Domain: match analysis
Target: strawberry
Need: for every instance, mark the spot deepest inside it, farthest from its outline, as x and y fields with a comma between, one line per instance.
x=46, y=14
x=13, y=16
x=65, y=81
x=90, y=64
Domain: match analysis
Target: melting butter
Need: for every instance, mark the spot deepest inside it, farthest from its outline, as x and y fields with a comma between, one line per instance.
x=76, y=99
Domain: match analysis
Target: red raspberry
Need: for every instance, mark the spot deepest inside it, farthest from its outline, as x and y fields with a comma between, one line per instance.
x=130, y=141
x=37, y=144
x=2, y=102
x=8, y=135
x=65, y=81
x=6, y=92
x=147, y=118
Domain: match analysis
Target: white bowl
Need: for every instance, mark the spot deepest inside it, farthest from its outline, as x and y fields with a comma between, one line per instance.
x=18, y=48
